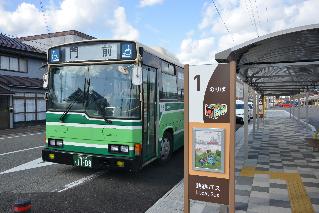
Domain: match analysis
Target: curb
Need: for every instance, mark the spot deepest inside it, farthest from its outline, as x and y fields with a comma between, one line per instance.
x=156, y=205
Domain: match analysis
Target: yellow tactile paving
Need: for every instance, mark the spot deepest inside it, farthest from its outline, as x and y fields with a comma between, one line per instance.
x=299, y=199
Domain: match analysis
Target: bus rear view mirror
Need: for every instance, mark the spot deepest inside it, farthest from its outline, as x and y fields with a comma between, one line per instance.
x=46, y=96
x=137, y=75
x=45, y=80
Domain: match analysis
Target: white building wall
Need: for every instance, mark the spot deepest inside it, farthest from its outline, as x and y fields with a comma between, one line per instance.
x=34, y=69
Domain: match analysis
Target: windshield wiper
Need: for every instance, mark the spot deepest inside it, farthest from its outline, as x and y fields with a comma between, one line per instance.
x=77, y=98
x=101, y=104
x=69, y=108
x=108, y=121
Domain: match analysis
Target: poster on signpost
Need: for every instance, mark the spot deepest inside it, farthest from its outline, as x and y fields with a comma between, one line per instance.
x=208, y=149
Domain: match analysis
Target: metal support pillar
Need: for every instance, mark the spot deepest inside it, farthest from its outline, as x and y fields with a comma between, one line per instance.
x=290, y=107
x=299, y=105
x=254, y=112
x=265, y=107
x=257, y=107
x=307, y=106
x=294, y=109
x=246, y=113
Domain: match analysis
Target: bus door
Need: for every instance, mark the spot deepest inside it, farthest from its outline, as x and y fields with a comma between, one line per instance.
x=149, y=115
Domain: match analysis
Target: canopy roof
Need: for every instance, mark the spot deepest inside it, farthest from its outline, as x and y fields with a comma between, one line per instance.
x=280, y=63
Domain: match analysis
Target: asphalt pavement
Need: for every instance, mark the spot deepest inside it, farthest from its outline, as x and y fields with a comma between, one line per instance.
x=62, y=188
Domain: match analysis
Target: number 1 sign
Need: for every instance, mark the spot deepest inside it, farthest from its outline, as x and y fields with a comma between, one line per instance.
x=209, y=134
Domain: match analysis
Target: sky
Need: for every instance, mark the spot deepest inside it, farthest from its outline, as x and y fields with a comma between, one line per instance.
x=193, y=30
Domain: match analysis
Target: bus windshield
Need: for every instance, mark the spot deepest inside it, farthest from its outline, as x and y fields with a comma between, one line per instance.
x=102, y=91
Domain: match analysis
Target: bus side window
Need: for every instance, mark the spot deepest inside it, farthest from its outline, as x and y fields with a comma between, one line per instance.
x=180, y=83
x=169, y=87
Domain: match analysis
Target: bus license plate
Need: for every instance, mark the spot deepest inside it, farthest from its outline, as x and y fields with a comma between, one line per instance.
x=82, y=161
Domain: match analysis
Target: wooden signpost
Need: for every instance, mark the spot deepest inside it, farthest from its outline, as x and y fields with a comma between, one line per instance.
x=209, y=134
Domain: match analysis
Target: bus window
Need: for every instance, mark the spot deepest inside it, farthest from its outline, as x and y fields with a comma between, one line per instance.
x=169, y=87
x=168, y=68
x=180, y=83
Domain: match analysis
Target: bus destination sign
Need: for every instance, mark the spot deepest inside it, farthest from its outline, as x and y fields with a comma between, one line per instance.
x=100, y=51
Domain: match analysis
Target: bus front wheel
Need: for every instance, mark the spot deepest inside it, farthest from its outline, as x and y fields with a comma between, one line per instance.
x=166, y=147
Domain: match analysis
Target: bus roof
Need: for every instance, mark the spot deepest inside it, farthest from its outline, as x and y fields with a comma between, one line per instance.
x=161, y=53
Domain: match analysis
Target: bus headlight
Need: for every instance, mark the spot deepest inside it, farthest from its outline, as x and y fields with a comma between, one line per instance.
x=59, y=142
x=124, y=148
x=55, y=142
x=114, y=148
x=51, y=142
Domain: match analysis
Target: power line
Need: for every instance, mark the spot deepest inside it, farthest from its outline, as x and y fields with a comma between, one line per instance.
x=44, y=16
x=257, y=13
x=249, y=15
x=45, y=20
x=254, y=19
x=223, y=20
x=267, y=14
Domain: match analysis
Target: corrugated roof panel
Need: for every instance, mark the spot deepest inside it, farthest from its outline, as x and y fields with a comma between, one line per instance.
x=278, y=63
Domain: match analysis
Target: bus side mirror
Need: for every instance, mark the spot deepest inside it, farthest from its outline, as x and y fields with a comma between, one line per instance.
x=45, y=80
x=46, y=96
x=137, y=75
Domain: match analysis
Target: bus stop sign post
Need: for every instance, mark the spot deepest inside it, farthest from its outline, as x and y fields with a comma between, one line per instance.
x=209, y=134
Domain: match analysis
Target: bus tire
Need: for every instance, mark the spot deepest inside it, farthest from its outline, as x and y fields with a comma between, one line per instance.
x=166, y=148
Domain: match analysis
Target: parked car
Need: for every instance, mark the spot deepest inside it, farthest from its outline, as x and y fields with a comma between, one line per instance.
x=240, y=112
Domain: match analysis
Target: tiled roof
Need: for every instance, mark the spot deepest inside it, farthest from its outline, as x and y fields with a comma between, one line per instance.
x=14, y=43
x=5, y=91
x=21, y=82
x=57, y=34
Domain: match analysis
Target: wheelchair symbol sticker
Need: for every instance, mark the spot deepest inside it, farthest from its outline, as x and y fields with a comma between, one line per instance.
x=127, y=50
x=55, y=56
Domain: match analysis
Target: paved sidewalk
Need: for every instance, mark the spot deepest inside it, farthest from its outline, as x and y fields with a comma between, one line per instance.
x=275, y=172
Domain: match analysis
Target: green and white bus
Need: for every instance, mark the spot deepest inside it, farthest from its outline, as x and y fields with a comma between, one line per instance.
x=113, y=104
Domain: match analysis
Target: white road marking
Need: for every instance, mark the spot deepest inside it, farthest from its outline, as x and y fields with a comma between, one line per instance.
x=19, y=135
x=80, y=181
x=26, y=166
x=21, y=150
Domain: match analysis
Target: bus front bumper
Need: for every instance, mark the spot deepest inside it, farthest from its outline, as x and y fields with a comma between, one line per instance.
x=98, y=161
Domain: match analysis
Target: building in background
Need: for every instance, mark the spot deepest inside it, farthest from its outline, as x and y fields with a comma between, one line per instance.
x=22, y=65
x=21, y=93
x=44, y=41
